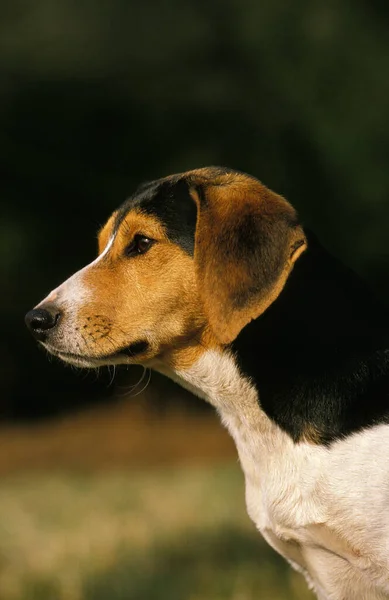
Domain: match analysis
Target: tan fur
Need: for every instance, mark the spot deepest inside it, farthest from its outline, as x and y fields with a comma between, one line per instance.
x=151, y=296
x=106, y=232
x=235, y=289
x=116, y=301
x=311, y=434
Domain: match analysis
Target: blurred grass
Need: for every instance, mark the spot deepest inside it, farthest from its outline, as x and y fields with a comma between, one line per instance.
x=180, y=533
x=115, y=435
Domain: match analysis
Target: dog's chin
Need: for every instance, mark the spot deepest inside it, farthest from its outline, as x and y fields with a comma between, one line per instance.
x=123, y=356
x=80, y=361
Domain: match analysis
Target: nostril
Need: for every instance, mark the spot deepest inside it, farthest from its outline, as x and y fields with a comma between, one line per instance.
x=40, y=320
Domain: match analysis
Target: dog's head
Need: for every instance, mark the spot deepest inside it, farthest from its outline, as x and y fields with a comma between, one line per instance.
x=185, y=263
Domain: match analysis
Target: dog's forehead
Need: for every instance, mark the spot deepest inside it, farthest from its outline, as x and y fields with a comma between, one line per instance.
x=170, y=202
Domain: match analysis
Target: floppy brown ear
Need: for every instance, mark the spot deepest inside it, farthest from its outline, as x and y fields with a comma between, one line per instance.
x=247, y=240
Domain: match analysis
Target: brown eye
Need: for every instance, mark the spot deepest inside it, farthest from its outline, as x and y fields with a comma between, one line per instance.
x=139, y=245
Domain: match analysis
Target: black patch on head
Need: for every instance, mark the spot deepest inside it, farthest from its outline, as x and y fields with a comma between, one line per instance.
x=168, y=200
x=319, y=354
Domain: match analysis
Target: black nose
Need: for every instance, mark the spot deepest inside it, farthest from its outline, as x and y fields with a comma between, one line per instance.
x=41, y=320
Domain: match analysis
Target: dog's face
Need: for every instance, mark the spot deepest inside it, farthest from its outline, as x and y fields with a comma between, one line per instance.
x=183, y=265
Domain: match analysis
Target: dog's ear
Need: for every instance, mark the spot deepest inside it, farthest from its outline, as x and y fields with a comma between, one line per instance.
x=247, y=241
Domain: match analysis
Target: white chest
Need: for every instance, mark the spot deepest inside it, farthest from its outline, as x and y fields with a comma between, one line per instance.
x=281, y=477
x=322, y=509
x=283, y=480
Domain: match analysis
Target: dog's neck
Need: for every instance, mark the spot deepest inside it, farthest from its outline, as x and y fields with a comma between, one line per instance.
x=216, y=378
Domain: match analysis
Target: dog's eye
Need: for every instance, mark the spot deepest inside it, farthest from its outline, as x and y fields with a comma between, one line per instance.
x=139, y=245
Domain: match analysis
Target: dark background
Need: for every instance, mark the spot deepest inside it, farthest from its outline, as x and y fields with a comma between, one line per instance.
x=96, y=97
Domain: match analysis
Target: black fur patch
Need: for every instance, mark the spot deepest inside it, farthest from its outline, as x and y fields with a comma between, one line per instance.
x=319, y=355
x=170, y=201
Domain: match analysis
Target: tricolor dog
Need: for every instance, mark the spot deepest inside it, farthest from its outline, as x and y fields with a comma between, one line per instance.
x=209, y=278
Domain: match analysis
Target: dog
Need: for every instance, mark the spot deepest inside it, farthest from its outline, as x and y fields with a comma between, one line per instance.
x=209, y=278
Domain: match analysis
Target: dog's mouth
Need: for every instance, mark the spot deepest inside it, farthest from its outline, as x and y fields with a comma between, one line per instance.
x=130, y=352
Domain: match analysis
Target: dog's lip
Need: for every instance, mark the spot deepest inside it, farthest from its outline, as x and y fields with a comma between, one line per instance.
x=73, y=356
x=138, y=347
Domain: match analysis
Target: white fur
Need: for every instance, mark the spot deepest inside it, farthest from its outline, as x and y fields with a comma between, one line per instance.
x=324, y=509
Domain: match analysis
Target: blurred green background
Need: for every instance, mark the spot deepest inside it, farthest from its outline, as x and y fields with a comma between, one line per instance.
x=104, y=496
